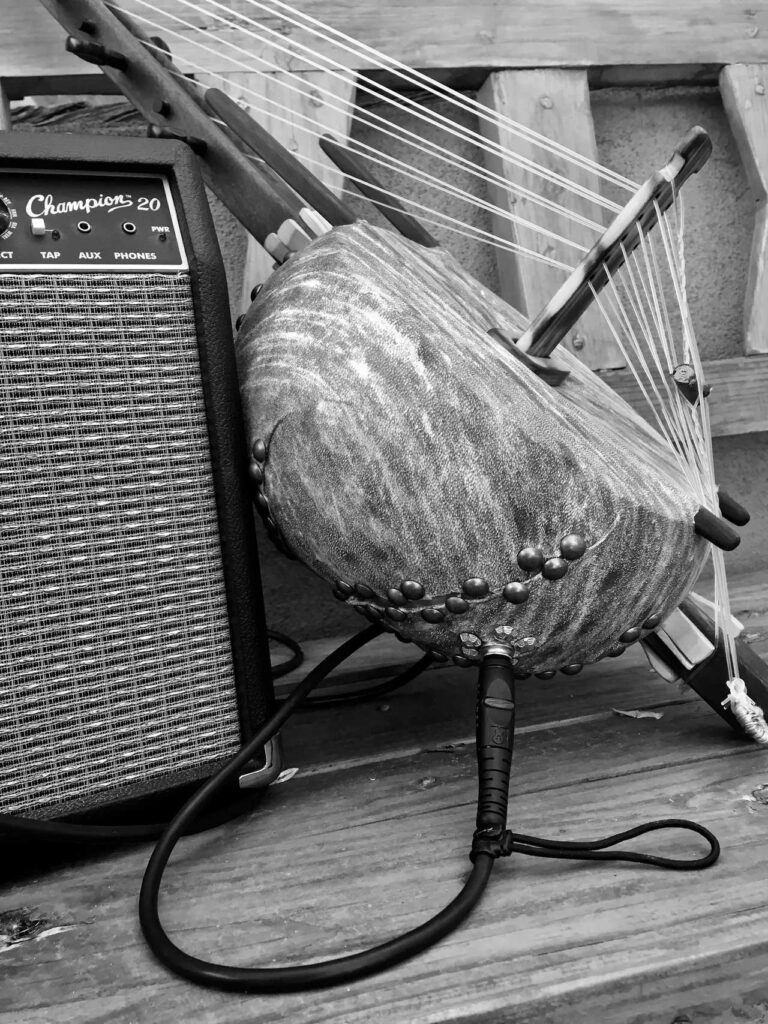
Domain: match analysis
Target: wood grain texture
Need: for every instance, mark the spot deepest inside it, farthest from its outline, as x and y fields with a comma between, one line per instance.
x=743, y=89
x=438, y=710
x=292, y=112
x=335, y=861
x=342, y=857
x=5, y=109
x=449, y=33
x=737, y=404
x=555, y=103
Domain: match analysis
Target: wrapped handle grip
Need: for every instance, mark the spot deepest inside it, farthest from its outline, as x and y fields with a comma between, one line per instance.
x=495, y=736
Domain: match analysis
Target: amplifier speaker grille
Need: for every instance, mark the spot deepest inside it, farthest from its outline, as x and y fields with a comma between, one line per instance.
x=115, y=653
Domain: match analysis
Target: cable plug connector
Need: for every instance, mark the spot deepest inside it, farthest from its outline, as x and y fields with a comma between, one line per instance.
x=496, y=842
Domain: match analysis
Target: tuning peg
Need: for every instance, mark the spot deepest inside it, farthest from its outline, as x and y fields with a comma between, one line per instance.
x=731, y=509
x=160, y=44
x=95, y=53
x=715, y=530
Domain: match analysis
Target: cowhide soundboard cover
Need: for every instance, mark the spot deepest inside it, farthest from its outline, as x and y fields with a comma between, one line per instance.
x=404, y=443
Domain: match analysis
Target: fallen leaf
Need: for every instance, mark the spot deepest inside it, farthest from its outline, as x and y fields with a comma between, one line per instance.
x=638, y=714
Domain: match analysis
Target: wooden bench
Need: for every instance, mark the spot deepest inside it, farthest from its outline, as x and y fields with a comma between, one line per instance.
x=370, y=837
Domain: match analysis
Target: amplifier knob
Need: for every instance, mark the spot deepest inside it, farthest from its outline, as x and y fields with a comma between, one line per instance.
x=5, y=216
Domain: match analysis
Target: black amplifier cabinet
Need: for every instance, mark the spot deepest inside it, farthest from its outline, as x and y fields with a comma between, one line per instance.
x=133, y=648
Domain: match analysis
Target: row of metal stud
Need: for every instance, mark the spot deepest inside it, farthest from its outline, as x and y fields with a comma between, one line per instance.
x=530, y=559
x=629, y=636
x=256, y=470
x=471, y=644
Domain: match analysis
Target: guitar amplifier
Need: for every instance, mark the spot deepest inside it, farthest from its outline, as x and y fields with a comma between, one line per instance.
x=133, y=647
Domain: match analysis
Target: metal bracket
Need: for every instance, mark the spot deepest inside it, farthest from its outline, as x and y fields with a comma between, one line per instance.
x=687, y=643
x=677, y=650
x=262, y=777
x=550, y=370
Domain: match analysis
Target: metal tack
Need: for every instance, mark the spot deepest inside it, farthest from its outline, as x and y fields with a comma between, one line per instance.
x=554, y=568
x=652, y=621
x=395, y=596
x=516, y=593
x=364, y=592
x=630, y=635
x=475, y=587
x=432, y=615
x=573, y=546
x=259, y=450
x=549, y=674
x=571, y=670
x=256, y=472
x=412, y=590
x=531, y=559
x=456, y=605
x=395, y=614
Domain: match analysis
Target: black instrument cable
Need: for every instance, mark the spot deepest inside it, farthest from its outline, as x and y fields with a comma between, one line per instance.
x=495, y=731
x=291, y=663
x=495, y=734
x=349, y=695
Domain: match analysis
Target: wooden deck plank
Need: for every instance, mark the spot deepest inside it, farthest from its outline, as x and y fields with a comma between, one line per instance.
x=742, y=87
x=334, y=861
x=737, y=404
x=555, y=103
x=577, y=33
x=341, y=857
x=438, y=707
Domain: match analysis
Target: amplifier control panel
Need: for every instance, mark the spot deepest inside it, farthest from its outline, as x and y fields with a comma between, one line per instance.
x=86, y=221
